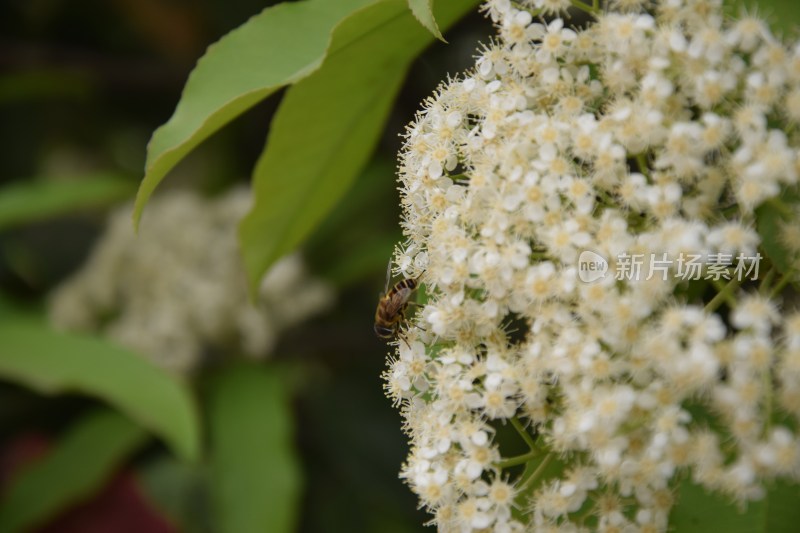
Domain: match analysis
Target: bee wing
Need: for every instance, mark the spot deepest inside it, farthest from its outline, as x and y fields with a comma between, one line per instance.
x=391, y=307
x=394, y=305
x=388, y=276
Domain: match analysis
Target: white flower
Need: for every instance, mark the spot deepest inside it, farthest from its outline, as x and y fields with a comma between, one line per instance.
x=177, y=289
x=644, y=133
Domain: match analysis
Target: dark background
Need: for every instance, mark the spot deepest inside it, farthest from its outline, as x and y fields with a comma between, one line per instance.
x=83, y=84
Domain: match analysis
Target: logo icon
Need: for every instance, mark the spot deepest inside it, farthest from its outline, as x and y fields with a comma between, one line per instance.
x=591, y=266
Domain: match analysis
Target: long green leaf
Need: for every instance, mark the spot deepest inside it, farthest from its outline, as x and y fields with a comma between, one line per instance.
x=423, y=11
x=35, y=356
x=327, y=126
x=255, y=475
x=698, y=510
x=33, y=200
x=79, y=465
x=279, y=46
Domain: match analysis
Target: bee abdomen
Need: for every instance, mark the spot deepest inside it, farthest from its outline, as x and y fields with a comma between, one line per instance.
x=403, y=285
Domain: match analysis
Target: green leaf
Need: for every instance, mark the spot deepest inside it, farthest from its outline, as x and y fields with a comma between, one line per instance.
x=45, y=83
x=6, y=305
x=771, y=217
x=279, y=46
x=423, y=12
x=33, y=200
x=74, y=470
x=178, y=490
x=52, y=362
x=256, y=478
x=701, y=511
x=327, y=126
x=369, y=245
x=373, y=186
x=368, y=258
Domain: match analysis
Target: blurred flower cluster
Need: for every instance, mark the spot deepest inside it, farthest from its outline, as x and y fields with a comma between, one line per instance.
x=177, y=291
x=659, y=128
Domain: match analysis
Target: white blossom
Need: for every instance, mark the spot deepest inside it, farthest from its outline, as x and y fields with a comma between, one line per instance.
x=177, y=291
x=659, y=128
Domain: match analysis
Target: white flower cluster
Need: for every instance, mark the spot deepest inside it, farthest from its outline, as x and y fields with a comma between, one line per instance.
x=177, y=290
x=658, y=128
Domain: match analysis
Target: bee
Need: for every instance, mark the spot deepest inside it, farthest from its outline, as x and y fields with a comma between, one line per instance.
x=392, y=306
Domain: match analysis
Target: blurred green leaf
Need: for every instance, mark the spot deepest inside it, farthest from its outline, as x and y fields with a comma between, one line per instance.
x=771, y=216
x=33, y=200
x=374, y=186
x=51, y=362
x=178, y=490
x=423, y=11
x=782, y=15
x=79, y=465
x=369, y=245
x=255, y=475
x=699, y=510
x=366, y=259
x=6, y=306
x=279, y=46
x=43, y=84
x=327, y=126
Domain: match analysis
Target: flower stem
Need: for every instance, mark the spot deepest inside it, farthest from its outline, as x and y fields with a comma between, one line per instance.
x=641, y=162
x=518, y=460
x=725, y=294
x=766, y=382
x=538, y=472
x=593, y=9
x=529, y=440
x=765, y=283
x=781, y=284
x=521, y=7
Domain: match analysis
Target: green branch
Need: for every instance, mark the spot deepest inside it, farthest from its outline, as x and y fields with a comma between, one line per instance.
x=538, y=472
x=518, y=460
x=725, y=294
x=781, y=284
x=767, y=281
x=641, y=162
x=529, y=440
x=522, y=7
x=593, y=9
